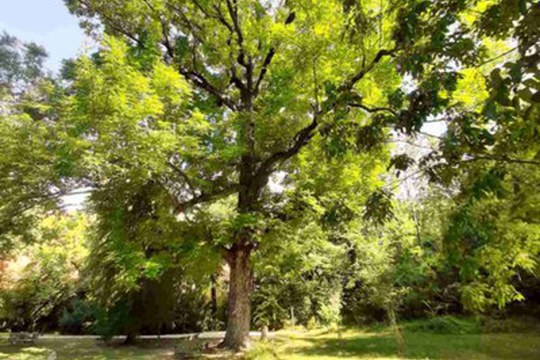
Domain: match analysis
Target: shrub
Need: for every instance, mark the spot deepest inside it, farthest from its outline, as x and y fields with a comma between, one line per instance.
x=114, y=321
x=509, y=325
x=78, y=318
x=444, y=325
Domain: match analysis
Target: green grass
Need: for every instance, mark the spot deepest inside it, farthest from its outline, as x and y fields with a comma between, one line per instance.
x=357, y=344
x=444, y=325
x=373, y=343
x=88, y=349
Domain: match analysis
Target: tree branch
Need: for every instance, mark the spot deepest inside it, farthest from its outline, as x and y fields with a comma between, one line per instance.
x=222, y=19
x=268, y=59
x=264, y=70
x=181, y=206
x=113, y=24
x=183, y=174
x=429, y=135
x=373, y=109
x=305, y=134
x=497, y=57
x=233, y=12
x=502, y=159
x=348, y=85
x=300, y=140
x=201, y=82
x=218, y=16
x=164, y=30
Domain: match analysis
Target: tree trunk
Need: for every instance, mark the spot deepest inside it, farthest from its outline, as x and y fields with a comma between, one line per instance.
x=239, y=307
x=397, y=331
x=264, y=333
x=131, y=339
x=213, y=298
x=238, y=257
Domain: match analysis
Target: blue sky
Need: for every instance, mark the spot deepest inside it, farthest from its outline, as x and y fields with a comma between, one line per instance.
x=45, y=22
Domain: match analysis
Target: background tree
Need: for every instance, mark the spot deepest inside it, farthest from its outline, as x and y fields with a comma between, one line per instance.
x=304, y=260
x=35, y=169
x=40, y=279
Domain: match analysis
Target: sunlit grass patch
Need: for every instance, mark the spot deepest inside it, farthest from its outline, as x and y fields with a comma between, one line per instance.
x=381, y=344
x=27, y=353
x=351, y=343
x=88, y=349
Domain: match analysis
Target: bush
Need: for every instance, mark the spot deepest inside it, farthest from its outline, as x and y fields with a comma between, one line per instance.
x=444, y=325
x=78, y=318
x=509, y=325
x=114, y=321
x=313, y=324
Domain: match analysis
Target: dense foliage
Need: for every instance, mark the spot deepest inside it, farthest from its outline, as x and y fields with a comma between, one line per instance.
x=315, y=162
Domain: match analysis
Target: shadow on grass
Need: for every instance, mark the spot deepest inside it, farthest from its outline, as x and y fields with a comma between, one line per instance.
x=355, y=344
x=372, y=346
x=380, y=345
x=418, y=346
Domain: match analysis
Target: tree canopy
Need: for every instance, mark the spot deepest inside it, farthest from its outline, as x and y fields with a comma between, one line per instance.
x=245, y=129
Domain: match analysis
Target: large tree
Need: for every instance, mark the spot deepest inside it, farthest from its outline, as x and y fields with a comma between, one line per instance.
x=267, y=78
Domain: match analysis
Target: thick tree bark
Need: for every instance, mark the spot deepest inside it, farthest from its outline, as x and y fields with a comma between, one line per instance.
x=239, y=307
x=251, y=184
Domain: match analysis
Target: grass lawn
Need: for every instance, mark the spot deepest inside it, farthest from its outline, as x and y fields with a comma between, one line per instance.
x=88, y=349
x=353, y=344
x=357, y=344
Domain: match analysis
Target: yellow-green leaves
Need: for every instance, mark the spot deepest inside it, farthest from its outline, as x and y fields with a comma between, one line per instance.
x=128, y=116
x=471, y=89
x=169, y=85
